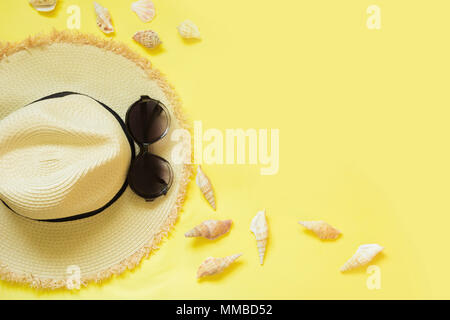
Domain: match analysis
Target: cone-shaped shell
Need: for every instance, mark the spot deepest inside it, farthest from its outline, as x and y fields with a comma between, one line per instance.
x=215, y=265
x=103, y=19
x=188, y=30
x=43, y=5
x=261, y=230
x=145, y=10
x=210, y=229
x=322, y=229
x=363, y=256
x=205, y=186
x=148, y=38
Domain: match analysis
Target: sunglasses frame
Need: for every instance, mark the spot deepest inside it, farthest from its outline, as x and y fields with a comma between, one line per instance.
x=144, y=147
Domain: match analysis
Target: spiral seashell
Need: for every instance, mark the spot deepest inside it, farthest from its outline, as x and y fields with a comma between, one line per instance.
x=148, y=38
x=363, y=256
x=43, y=5
x=188, y=30
x=260, y=228
x=210, y=229
x=322, y=229
x=215, y=265
x=145, y=10
x=205, y=186
x=103, y=19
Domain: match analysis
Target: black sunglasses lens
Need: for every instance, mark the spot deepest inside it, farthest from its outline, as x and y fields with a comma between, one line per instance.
x=150, y=176
x=147, y=120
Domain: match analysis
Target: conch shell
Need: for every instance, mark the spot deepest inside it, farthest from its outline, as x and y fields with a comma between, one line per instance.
x=322, y=229
x=188, y=30
x=103, y=18
x=148, y=38
x=210, y=229
x=215, y=265
x=43, y=5
x=261, y=230
x=363, y=256
x=205, y=186
x=145, y=9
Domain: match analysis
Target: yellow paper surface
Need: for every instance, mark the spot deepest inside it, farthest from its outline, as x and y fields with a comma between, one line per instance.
x=364, y=133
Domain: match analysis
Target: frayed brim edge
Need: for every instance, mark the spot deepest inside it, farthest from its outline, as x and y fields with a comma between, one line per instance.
x=74, y=37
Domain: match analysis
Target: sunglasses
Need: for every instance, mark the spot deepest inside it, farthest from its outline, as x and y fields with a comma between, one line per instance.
x=148, y=121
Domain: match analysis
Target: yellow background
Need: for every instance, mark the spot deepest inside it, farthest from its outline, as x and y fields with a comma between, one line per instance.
x=364, y=143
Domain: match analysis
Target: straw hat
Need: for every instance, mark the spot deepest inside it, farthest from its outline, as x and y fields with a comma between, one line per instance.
x=89, y=175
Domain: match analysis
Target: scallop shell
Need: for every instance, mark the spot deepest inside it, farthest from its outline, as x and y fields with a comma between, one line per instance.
x=322, y=229
x=43, y=5
x=215, y=265
x=261, y=230
x=205, y=186
x=363, y=256
x=210, y=229
x=145, y=9
x=148, y=38
x=103, y=19
x=188, y=30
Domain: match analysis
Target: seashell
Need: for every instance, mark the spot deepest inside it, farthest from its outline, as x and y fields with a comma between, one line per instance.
x=188, y=30
x=363, y=256
x=103, y=19
x=43, y=5
x=148, y=38
x=205, y=186
x=145, y=9
x=322, y=229
x=261, y=230
x=210, y=229
x=215, y=265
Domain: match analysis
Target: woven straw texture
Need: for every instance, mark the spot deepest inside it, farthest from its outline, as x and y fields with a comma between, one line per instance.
x=41, y=253
x=61, y=157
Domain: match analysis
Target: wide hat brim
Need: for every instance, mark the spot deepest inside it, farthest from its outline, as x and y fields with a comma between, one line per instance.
x=48, y=254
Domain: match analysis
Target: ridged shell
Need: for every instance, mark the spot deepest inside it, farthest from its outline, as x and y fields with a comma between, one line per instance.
x=188, y=30
x=43, y=5
x=103, y=19
x=210, y=229
x=322, y=229
x=148, y=38
x=145, y=10
x=260, y=228
x=215, y=265
x=205, y=186
x=363, y=256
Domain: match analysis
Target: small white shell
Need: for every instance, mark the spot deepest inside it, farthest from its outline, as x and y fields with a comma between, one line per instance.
x=43, y=5
x=188, y=30
x=205, y=186
x=145, y=9
x=363, y=256
x=260, y=228
x=103, y=19
x=148, y=38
